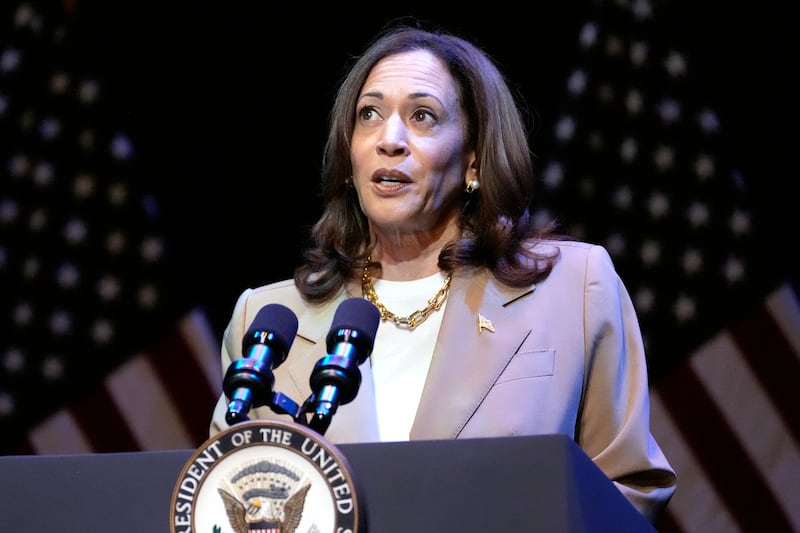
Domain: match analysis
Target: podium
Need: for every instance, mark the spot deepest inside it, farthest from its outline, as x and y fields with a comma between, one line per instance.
x=512, y=484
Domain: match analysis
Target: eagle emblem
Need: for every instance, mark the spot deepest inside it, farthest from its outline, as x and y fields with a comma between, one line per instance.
x=264, y=497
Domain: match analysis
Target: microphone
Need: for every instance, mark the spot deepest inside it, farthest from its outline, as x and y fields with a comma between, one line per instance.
x=336, y=378
x=248, y=381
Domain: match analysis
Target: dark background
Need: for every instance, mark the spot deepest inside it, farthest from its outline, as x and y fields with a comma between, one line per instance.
x=228, y=104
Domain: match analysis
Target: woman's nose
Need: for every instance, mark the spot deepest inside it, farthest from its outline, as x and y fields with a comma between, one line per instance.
x=394, y=137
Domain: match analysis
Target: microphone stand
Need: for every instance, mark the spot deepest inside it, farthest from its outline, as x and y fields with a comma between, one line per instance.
x=321, y=408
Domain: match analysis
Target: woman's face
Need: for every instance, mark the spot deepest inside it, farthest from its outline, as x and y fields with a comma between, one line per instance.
x=408, y=150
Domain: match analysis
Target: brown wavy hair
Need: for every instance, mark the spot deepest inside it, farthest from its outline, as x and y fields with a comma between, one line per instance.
x=497, y=230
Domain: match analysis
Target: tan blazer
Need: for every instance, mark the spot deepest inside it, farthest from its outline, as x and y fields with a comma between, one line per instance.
x=566, y=356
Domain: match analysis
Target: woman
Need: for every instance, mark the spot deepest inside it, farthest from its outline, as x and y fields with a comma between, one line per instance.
x=489, y=327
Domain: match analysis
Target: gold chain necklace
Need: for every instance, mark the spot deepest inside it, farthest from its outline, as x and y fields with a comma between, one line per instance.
x=414, y=319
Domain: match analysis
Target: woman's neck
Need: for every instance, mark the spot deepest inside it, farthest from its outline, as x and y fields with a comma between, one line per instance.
x=421, y=266
x=409, y=258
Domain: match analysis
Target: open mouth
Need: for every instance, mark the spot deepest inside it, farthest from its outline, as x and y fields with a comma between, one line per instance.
x=390, y=177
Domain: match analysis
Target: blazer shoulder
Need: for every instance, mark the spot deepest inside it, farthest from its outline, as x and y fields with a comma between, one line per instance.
x=576, y=248
x=282, y=292
x=570, y=247
x=575, y=254
x=277, y=288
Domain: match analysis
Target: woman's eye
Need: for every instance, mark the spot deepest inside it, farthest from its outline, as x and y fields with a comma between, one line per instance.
x=423, y=115
x=367, y=113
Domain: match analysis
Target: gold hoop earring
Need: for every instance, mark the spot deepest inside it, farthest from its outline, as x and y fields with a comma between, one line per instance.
x=472, y=186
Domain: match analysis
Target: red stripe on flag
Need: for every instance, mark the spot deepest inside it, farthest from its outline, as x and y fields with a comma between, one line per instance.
x=774, y=362
x=20, y=447
x=185, y=383
x=101, y=423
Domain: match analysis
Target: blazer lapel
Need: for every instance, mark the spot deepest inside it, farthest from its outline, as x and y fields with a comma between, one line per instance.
x=467, y=358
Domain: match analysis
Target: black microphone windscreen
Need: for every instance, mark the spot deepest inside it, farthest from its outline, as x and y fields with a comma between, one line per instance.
x=276, y=319
x=358, y=314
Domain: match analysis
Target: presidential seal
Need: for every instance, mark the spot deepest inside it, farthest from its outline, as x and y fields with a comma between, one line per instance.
x=265, y=476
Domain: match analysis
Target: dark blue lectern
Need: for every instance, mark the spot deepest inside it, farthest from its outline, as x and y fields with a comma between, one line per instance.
x=515, y=484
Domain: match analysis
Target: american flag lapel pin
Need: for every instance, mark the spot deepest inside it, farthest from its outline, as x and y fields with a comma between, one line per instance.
x=484, y=324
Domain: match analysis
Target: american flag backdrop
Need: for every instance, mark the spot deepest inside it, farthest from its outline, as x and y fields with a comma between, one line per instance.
x=101, y=347
x=638, y=162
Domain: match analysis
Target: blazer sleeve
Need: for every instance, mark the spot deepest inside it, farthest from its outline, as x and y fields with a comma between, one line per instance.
x=614, y=424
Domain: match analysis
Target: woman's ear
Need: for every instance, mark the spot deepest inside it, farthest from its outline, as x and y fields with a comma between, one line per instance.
x=472, y=183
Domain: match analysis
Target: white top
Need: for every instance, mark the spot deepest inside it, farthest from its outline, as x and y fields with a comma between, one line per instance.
x=400, y=356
